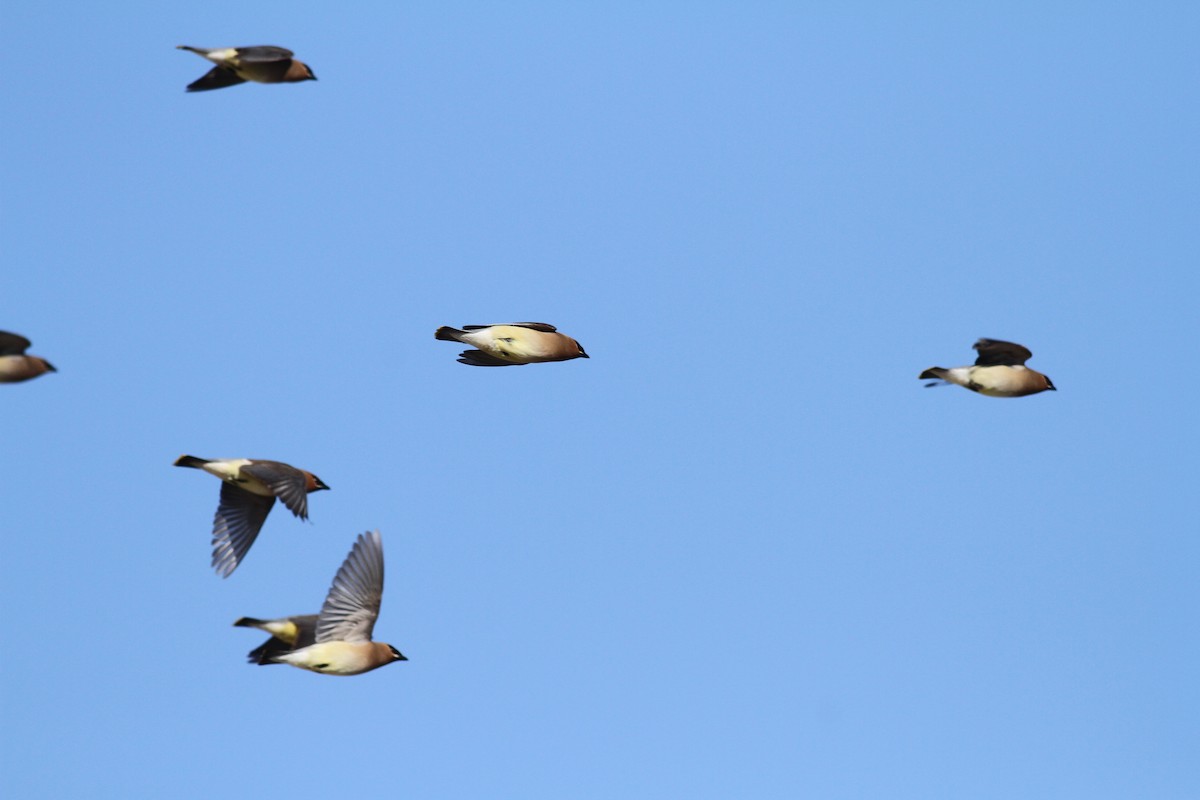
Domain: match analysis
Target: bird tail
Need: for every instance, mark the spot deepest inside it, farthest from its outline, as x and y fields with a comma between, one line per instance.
x=933, y=373
x=249, y=622
x=191, y=461
x=447, y=334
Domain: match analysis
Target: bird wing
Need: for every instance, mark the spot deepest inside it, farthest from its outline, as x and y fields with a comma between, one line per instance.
x=352, y=604
x=533, y=326
x=215, y=78
x=993, y=352
x=478, y=358
x=239, y=518
x=263, y=53
x=12, y=344
x=288, y=483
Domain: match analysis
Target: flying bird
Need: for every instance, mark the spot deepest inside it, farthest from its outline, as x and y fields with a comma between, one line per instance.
x=343, y=643
x=511, y=344
x=15, y=366
x=248, y=490
x=261, y=64
x=287, y=634
x=999, y=371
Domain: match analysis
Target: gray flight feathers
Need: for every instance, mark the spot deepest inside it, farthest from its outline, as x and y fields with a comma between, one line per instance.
x=215, y=78
x=239, y=518
x=352, y=605
x=241, y=514
x=289, y=484
x=993, y=352
x=13, y=344
x=478, y=358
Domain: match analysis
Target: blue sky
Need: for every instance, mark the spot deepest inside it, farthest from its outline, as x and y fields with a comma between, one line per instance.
x=740, y=552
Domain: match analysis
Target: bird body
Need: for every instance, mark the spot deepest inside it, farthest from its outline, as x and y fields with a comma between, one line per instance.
x=341, y=658
x=343, y=643
x=15, y=366
x=996, y=381
x=259, y=63
x=512, y=344
x=230, y=469
x=248, y=490
x=999, y=371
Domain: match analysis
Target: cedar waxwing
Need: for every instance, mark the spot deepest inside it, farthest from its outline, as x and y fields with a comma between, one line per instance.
x=999, y=371
x=261, y=64
x=248, y=490
x=287, y=634
x=15, y=366
x=343, y=639
x=513, y=343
